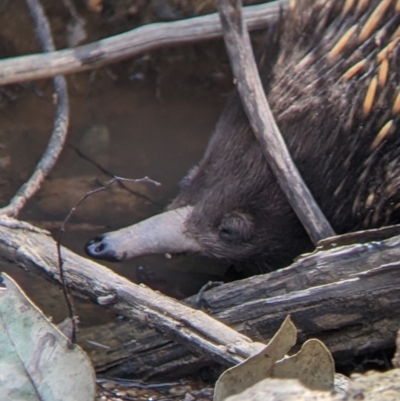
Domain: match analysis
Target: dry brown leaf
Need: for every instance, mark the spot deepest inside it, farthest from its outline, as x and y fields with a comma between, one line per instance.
x=257, y=367
x=313, y=365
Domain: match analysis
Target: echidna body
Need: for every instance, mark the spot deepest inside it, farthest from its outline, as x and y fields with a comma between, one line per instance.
x=334, y=90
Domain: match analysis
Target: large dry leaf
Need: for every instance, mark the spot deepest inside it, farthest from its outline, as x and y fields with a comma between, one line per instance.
x=257, y=367
x=36, y=362
x=313, y=365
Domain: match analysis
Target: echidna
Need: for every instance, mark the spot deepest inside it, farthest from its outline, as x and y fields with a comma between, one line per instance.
x=334, y=89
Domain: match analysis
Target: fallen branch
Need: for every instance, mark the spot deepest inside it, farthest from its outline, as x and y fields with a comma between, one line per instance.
x=34, y=248
x=325, y=293
x=255, y=103
x=132, y=43
x=60, y=124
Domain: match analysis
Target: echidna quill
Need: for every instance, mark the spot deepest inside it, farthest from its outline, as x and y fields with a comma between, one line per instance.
x=334, y=89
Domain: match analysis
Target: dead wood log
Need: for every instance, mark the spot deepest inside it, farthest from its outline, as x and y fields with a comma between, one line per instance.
x=128, y=44
x=346, y=296
x=34, y=248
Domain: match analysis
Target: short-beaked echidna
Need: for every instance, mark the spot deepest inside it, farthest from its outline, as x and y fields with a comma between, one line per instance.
x=334, y=89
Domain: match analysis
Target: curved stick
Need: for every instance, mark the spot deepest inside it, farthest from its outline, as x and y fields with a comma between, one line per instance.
x=255, y=103
x=60, y=124
x=134, y=42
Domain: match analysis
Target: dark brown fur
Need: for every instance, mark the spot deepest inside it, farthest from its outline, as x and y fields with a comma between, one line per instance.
x=240, y=213
x=333, y=85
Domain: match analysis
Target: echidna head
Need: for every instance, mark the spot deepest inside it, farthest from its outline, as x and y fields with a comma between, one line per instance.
x=334, y=91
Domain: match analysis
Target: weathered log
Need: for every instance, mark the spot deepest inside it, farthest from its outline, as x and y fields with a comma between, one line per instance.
x=136, y=351
x=129, y=44
x=346, y=296
x=34, y=248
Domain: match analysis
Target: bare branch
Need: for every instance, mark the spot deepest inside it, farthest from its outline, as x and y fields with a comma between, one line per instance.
x=255, y=103
x=193, y=328
x=325, y=293
x=62, y=231
x=60, y=124
x=134, y=42
x=119, y=181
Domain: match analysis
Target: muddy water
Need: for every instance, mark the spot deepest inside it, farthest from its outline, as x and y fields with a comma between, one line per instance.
x=146, y=117
x=160, y=139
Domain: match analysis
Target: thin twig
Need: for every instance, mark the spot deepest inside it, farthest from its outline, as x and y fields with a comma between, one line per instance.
x=102, y=188
x=63, y=229
x=110, y=174
x=255, y=103
x=60, y=123
x=76, y=26
x=57, y=138
x=207, y=286
x=132, y=43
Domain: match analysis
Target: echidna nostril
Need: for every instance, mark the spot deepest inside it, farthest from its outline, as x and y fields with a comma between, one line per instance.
x=100, y=248
x=94, y=241
x=95, y=246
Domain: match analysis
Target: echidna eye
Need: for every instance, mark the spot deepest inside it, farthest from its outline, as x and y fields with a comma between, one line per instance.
x=228, y=234
x=236, y=227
